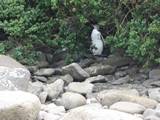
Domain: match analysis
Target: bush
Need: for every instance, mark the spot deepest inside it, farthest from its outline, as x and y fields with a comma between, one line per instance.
x=65, y=24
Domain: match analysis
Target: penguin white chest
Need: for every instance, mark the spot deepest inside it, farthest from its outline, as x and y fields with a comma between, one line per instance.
x=97, y=43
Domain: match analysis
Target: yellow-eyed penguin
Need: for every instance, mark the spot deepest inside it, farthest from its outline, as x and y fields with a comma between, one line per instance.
x=97, y=41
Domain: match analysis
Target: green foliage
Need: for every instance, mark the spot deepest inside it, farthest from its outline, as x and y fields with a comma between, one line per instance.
x=64, y=24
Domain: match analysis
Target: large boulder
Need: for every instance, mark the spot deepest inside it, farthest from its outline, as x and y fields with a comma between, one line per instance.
x=75, y=71
x=13, y=75
x=18, y=105
x=97, y=113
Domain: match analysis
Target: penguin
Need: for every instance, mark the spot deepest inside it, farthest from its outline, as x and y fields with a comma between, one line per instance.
x=97, y=41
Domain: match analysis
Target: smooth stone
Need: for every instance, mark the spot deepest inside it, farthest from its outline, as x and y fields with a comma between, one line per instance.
x=72, y=100
x=43, y=97
x=80, y=87
x=95, y=113
x=151, y=114
x=109, y=98
x=18, y=105
x=67, y=78
x=128, y=107
x=75, y=71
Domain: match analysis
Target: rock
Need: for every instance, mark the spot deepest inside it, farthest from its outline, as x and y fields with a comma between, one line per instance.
x=75, y=71
x=53, y=78
x=13, y=75
x=96, y=113
x=98, y=78
x=80, y=87
x=32, y=69
x=18, y=105
x=151, y=114
x=117, y=61
x=67, y=78
x=100, y=70
x=154, y=93
x=54, y=89
x=86, y=62
x=122, y=80
x=52, y=108
x=43, y=97
x=154, y=74
x=128, y=107
x=72, y=100
x=45, y=72
x=110, y=98
x=35, y=88
x=48, y=116
x=120, y=74
x=40, y=78
x=151, y=83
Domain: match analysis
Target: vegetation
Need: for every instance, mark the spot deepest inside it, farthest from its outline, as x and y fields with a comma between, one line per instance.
x=29, y=26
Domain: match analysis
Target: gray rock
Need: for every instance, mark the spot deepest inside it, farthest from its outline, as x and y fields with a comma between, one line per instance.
x=95, y=113
x=40, y=78
x=67, y=78
x=128, y=107
x=54, y=89
x=154, y=93
x=151, y=114
x=154, y=74
x=120, y=74
x=13, y=75
x=43, y=97
x=80, y=87
x=98, y=78
x=45, y=72
x=18, y=105
x=75, y=71
x=117, y=61
x=72, y=100
x=53, y=78
x=122, y=80
x=111, y=97
x=100, y=70
x=35, y=88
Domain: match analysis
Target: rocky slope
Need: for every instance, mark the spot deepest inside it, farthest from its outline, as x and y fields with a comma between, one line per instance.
x=112, y=88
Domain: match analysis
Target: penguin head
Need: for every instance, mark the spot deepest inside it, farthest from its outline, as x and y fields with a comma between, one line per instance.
x=96, y=26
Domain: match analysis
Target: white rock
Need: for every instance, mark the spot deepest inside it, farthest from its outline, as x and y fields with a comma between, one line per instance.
x=72, y=100
x=75, y=71
x=48, y=116
x=18, y=105
x=54, y=89
x=94, y=113
x=80, y=87
x=128, y=107
x=52, y=108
